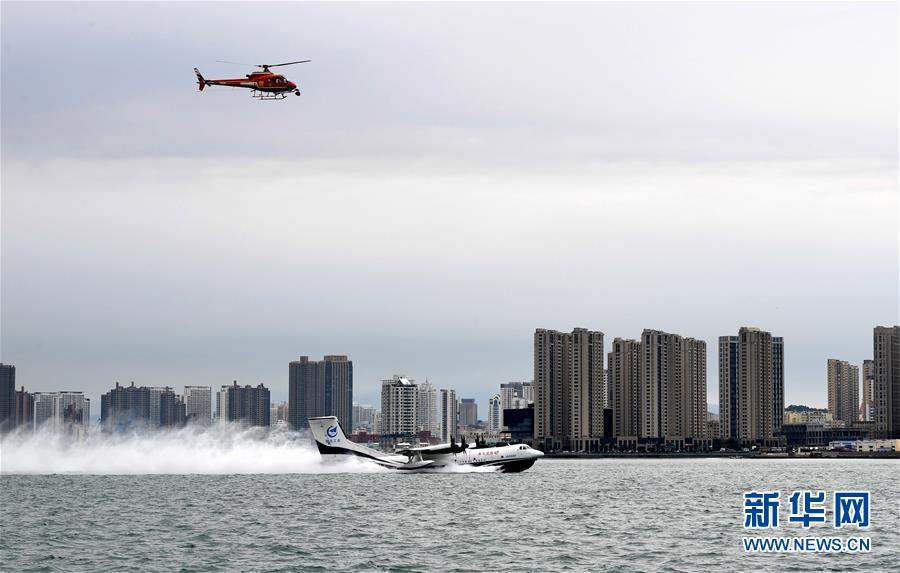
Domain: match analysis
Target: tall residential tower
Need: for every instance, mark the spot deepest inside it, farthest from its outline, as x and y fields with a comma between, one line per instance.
x=886, y=342
x=843, y=390
x=568, y=380
x=320, y=388
x=751, y=386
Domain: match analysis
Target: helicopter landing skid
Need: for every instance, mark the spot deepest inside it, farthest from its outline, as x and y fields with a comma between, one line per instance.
x=269, y=96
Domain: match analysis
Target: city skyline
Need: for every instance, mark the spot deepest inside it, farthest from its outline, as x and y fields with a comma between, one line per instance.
x=483, y=395
x=651, y=396
x=433, y=206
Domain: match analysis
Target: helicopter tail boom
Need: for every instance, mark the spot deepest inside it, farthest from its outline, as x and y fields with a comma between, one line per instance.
x=200, y=79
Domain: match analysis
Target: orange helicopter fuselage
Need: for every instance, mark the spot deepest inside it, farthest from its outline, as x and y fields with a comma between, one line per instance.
x=260, y=81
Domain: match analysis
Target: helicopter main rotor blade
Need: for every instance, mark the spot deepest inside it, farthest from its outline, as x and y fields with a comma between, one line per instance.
x=285, y=64
x=235, y=63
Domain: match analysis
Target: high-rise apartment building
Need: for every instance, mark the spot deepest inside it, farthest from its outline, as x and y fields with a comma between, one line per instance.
x=59, y=410
x=428, y=416
x=24, y=409
x=44, y=413
x=516, y=395
x=142, y=407
x=777, y=383
x=468, y=412
x=7, y=396
x=449, y=409
x=198, y=404
x=568, y=379
x=843, y=390
x=364, y=418
x=623, y=373
x=867, y=407
x=751, y=385
x=657, y=387
x=304, y=392
x=278, y=413
x=495, y=414
x=222, y=404
x=156, y=393
x=248, y=405
x=172, y=410
x=124, y=407
x=399, y=408
x=886, y=343
x=320, y=388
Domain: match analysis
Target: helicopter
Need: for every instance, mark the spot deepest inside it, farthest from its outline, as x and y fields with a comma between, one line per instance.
x=266, y=85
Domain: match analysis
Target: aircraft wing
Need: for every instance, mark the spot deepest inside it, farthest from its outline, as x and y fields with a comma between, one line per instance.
x=425, y=450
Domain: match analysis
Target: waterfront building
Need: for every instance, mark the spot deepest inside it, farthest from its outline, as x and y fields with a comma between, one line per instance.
x=821, y=435
x=468, y=413
x=623, y=373
x=222, y=403
x=399, y=409
x=125, y=407
x=24, y=409
x=777, y=382
x=843, y=390
x=364, y=418
x=672, y=386
x=304, y=392
x=73, y=408
x=58, y=411
x=429, y=419
x=751, y=386
x=44, y=405
x=172, y=410
x=873, y=446
x=449, y=409
x=155, y=416
x=495, y=414
x=867, y=408
x=198, y=404
x=568, y=379
x=278, y=413
x=658, y=389
x=886, y=343
x=320, y=388
x=248, y=405
x=7, y=396
x=519, y=423
x=142, y=407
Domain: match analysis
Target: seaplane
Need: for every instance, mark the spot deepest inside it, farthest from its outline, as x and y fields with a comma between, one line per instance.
x=333, y=444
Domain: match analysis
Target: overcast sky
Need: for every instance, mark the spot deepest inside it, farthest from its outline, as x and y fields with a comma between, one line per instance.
x=453, y=177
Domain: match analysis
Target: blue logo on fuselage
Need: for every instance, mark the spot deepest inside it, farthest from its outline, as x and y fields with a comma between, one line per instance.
x=331, y=431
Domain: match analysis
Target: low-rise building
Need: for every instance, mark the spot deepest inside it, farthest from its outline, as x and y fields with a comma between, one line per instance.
x=877, y=446
x=821, y=435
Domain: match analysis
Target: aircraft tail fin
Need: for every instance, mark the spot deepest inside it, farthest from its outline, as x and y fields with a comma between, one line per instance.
x=331, y=440
x=200, y=79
